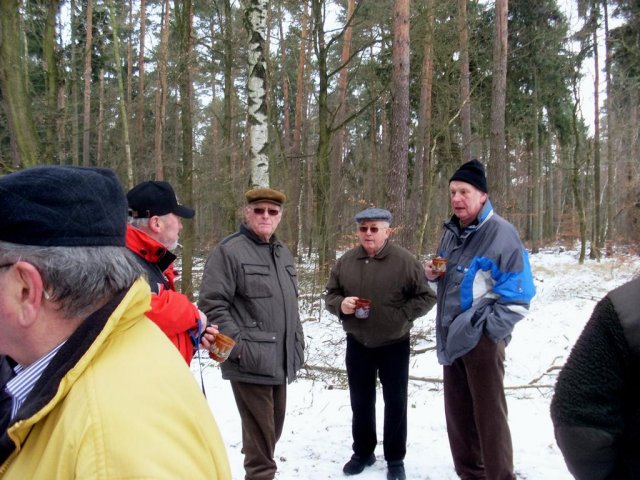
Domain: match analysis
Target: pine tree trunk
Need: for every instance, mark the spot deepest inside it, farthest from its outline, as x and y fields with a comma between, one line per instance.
x=14, y=92
x=86, y=115
x=161, y=93
x=465, y=91
x=497, y=152
x=399, y=148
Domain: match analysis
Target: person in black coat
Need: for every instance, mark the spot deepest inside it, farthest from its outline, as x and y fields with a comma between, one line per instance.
x=596, y=405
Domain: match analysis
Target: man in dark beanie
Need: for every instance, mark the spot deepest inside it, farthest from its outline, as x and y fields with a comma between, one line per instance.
x=89, y=386
x=485, y=290
x=153, y=231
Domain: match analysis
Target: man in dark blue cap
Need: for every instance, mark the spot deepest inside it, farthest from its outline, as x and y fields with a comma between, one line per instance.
x=153, y=231
x=393, y=282
x=89, y=386
x=485, y=290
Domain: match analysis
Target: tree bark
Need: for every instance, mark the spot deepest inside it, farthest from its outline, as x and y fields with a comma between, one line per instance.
x=86, y=115
x=161, y=93
x=399, y=148
x=140, y=137
x=51, y=150
x=498, y=97
x=465, y=91
x=256, y=14
x=14, y=93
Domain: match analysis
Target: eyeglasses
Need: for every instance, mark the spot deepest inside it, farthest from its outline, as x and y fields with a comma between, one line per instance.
x=7, y=265
x=271, y=211
x=366, y=229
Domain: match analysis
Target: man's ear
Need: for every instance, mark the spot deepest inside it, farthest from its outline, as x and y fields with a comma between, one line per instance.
x=154, y=224
x=29, y=291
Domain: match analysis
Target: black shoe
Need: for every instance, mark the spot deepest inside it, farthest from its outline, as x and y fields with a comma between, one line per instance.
x=395, y=471
x=357, y=463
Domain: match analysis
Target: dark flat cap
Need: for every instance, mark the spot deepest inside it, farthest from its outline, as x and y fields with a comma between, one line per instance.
x=265, y=195
x=62, y=206
x=471, y=172
x=151, y=198
x=374, y=214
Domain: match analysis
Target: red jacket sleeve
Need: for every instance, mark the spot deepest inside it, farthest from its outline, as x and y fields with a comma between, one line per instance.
x=173, y=312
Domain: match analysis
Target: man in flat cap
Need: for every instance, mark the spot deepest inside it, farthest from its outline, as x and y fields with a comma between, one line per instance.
x=392, y=279
x=153, y=231
x=89, y=387
x=249, y=289
x=485, y=290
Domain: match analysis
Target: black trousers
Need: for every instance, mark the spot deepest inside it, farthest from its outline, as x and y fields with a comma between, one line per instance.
x=262, y=411
x=364, y=365
x=476, y=412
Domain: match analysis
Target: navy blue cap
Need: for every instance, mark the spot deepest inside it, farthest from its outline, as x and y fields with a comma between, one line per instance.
x=374, y=214
x=63, y=206
x=151, y=198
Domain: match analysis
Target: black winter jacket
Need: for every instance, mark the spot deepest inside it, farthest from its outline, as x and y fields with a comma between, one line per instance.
x=596, y=405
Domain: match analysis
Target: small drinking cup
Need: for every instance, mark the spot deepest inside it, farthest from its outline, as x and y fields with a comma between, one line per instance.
x=221, y=347
x=363, y=306
x=439, y=265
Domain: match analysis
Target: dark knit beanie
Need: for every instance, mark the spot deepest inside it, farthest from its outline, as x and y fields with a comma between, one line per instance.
x=472, y=172
x=62, y=206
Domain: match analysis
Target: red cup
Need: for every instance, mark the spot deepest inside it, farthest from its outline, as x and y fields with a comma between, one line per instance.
x=363, y=306
x=221, y=347
x=439, y=265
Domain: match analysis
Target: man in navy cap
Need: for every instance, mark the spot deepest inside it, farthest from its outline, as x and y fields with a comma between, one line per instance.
x=485, y=290
x=89, y=387
x=392, y=279
x=153, y=231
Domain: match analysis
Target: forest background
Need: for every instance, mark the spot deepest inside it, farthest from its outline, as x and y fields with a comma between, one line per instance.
x=342, y=104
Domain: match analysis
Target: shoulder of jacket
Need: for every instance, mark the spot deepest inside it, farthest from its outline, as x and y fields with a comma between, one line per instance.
x=626, y=302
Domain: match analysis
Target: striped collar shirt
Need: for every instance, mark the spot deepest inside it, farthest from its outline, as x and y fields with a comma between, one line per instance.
x=25, y=379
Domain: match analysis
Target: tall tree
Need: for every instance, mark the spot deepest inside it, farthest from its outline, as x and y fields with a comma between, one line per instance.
x=50, y=61
x=140, y=108
x=465, y=91
x=399, y=148
x=256, y=14
x=498, y=94
x=123, y=108
x=86, y=116
x=13, y=84
x=162, y=89
x=184, y=25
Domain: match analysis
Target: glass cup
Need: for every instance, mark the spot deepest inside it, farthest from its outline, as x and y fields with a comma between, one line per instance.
x=363, y=306
x=221, y=347
x=439, y=265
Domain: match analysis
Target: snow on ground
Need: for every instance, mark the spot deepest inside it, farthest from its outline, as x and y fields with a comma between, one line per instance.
x=317, y=434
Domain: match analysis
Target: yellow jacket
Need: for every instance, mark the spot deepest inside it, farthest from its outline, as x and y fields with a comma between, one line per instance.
x=128, y=408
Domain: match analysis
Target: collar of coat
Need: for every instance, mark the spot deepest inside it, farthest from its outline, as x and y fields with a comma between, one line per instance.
x=73, y=358
x=148, y=248
x=383, y=252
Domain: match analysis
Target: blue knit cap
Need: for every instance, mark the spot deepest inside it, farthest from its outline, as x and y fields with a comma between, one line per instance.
x=62, y=206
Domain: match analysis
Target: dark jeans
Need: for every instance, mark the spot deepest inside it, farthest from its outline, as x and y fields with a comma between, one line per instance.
x=262, y=410
x=476, y=412
x=364, y=365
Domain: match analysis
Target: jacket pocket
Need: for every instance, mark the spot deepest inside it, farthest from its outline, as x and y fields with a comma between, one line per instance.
x=259, y=354
x=291, y=270
x=256, y=281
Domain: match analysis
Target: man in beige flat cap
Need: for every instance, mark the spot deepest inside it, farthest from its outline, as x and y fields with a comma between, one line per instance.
x=249, y=289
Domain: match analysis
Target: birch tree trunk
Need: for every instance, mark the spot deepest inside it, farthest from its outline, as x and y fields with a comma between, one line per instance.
x=256, y=14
